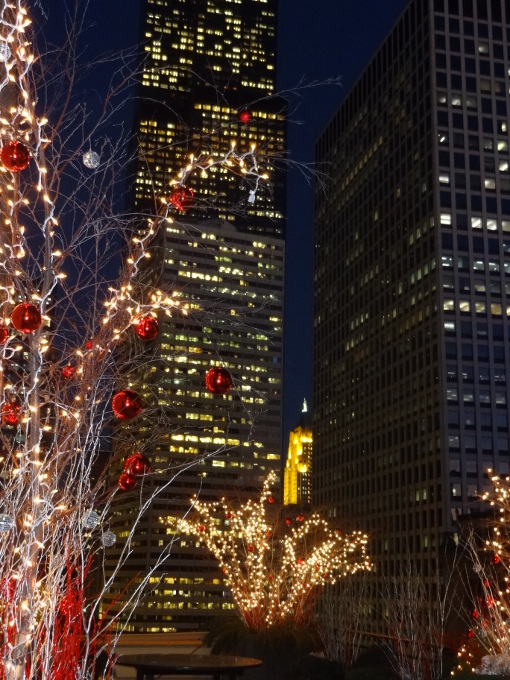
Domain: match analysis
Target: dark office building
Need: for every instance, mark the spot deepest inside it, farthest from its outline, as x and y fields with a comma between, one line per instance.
x=208, y=81
x=412, y=274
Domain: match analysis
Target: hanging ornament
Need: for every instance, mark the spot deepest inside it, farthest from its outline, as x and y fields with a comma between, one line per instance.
x=218, y=380
x=127, y=481
x=475, y=614
x=496, y=559
x=68, y=371
x=251, y=548
x=4, y=334
x=126, y=404
x=108, y=539
x=300, y=518
x=15, y=156
x=147, y=328
x=90, y=519
x=6, y=523
x=10, y=413
x=137, y=464
x=26, y=318
x=288, y=521
x=89, y=344
x=182, y=198
x=91, y=160
x=201, y=528
x=5, y=51
x=471, y=634
x=270, y=500
x=245, y=116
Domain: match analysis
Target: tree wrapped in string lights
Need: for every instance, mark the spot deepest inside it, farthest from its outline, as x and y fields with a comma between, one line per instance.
x=486, y=645
x=64, y=324
x=275, y=566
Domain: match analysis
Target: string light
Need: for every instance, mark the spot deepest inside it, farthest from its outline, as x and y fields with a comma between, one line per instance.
x=275, y=574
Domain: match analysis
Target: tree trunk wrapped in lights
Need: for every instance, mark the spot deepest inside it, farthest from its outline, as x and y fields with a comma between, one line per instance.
x=276, y=566
x=61, y=326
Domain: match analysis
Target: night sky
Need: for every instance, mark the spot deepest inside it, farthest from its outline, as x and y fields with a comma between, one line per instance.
x=318, y=40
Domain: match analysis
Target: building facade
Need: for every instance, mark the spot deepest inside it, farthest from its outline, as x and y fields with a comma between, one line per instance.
x=208, y=80
x=231, y=285
x=297, y=475
x=412, y=291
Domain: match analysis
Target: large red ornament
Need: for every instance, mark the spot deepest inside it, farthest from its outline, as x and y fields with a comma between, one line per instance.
x=147, y=328
x=10, y=413
x=15, y=156
x=26, y=318
x=126, y=404
x=218, y=380
x=68, y=371
x=4, y=334
x=245, y=116
x=127, y=481
x=496, y=559
x=137, y=464
x=300, y=518
x=182, y=198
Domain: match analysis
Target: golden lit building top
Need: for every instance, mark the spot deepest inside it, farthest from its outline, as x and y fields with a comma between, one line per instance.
x=297, y=484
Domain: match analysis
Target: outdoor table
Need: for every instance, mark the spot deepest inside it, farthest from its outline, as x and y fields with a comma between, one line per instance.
x=149, y=665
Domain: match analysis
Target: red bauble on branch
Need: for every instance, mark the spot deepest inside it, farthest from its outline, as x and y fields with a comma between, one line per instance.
x=126, y=404
x=137, y=464
x=127, y=481
x=245, y=116
x=4, y=334
x=26, y=318
x=15, y=156
x=182, y=198
x=68, y=371
x=147, y=328
x=10, y=413
x=218, y=380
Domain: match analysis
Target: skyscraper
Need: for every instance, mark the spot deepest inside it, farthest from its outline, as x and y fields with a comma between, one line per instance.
x=412, y=288
x=297, y=475
x=207, y=83
x=209, y=79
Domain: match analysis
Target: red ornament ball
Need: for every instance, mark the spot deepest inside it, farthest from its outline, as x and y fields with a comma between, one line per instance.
x=300, y=518
x=68, y=371
x=496, y=558
x=10, y=413
x=270, y=499
x=15, y=156
x=182, y=198
x=251, y=548
x=127, y=481
x=471, y=633
x=288, y=521
x=4, y=334
x=245, y=116
x=126, y=404
x=89, y=344
x=137, y=464
x=26, y=318
x=475, y=614
x=147, y=328
x=201, y=528
x=218, y=380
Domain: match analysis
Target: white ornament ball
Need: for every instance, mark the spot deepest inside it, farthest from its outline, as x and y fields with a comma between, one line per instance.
x=6, y=523
x=108, y=539
x=90, y=519
x=91, y=160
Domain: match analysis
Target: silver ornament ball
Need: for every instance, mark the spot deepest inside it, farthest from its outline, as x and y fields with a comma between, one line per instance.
x=6, y=523
x=91, y=160
x=90, y=519
x=108, y=539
